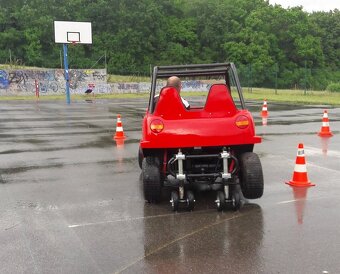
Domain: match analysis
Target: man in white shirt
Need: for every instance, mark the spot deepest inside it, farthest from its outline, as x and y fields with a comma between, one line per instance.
x=175, y=82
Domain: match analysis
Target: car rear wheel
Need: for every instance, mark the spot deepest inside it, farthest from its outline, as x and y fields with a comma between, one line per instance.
x=140, y=157
x=251, y=175
x=151, y=179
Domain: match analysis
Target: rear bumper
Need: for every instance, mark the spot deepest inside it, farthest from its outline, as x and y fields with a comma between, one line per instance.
x=198, y=141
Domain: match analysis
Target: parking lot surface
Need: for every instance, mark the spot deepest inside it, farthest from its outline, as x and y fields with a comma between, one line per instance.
x=71, y=198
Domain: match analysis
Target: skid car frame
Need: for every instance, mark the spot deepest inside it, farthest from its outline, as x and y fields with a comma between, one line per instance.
x=202, y=148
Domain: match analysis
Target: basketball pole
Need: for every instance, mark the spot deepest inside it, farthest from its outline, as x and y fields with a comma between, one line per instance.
x=67, y=79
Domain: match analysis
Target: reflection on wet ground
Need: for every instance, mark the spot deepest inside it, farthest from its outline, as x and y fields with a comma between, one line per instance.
x=72, y=199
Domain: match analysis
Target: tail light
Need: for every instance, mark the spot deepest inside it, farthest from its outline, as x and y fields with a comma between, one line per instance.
x=242, y=122
x=156, y=126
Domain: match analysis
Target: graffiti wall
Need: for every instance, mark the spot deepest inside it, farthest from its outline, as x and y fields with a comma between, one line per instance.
x=195, y=85
x=50, y=81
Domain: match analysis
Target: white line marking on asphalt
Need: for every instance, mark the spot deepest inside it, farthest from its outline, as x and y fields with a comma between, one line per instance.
x=286, y=202
x=133, y=219
x=326, y=168
x=318, y=151
x=309, y=163
x=302, y=199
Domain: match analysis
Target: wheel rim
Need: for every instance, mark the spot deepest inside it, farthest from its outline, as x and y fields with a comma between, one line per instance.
x=233, y=201
x=218, y=202
x=190, y=200
x=236, y=201
x=174, y=201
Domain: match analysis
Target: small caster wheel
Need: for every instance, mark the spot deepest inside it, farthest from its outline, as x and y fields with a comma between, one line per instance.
x=220, y=201
x=236, y=200
x=190, y=200
x=174, y=200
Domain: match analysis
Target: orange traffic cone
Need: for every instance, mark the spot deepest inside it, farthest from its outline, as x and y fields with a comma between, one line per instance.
x=325, y=132
x=119, y=129
x=300, y=177
x=264, y=112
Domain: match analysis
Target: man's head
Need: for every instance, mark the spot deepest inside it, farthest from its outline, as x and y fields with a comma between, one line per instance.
x=175, y=82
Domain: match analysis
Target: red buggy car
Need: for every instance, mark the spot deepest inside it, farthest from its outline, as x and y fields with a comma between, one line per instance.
x=206, y=147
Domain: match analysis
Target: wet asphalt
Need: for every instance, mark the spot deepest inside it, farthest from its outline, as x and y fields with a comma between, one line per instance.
x=71, y=198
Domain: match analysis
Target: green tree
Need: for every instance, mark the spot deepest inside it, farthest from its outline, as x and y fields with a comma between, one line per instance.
x=265, y=41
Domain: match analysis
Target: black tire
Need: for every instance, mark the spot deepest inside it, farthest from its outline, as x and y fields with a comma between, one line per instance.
x=190, y=200
x=174, y=200
x=251, y=175
x=220, y=201
x=140, y=157
x=152, y=184
x=236, y=200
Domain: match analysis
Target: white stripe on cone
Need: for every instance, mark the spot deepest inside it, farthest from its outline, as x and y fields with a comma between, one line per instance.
x=300, y=168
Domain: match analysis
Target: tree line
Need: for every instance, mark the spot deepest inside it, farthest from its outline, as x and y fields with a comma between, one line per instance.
x=266, y=42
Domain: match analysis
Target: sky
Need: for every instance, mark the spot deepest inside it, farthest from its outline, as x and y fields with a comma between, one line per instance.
x=309, y=5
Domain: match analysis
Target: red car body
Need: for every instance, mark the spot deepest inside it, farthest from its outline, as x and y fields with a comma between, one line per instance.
x=208, y=144
x=218, y=123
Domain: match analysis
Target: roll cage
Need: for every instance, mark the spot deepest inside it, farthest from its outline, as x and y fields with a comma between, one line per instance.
x=225, y=70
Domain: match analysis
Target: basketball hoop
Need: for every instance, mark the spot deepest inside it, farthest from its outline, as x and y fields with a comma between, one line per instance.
x=66, y=32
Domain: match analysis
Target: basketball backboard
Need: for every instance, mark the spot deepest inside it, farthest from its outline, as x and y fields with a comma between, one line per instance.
x=67, y=32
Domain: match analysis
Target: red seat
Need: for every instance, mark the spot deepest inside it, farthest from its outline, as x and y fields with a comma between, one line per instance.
x=169, y=105
x=219, y=101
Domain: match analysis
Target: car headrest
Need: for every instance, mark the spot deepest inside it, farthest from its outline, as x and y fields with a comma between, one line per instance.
x=219, y=100
x=169, y=104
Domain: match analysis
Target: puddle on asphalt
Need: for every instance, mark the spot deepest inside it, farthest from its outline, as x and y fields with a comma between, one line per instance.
x=101, y=142
x=34, y=141
x=300, y=197
x=272, y=122
x=10, y=151
x=2, y=181
x=16, y=170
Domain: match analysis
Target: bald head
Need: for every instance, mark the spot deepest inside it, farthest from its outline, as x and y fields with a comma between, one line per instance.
x=175, y=82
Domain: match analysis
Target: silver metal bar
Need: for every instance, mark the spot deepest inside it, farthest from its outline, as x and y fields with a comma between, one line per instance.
x=181, y=192
x=225, y=156
x=180, y=157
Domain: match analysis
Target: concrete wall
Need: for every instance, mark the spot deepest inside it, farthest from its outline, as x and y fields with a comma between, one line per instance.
x=145, y=87
x=52, y=81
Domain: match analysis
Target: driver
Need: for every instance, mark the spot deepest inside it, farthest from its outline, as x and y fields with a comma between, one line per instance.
x=174, y=81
